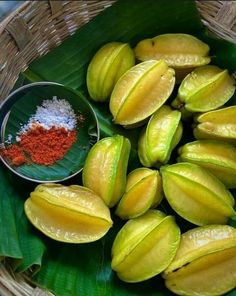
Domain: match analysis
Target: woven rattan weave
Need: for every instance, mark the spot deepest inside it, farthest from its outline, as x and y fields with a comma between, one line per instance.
x=35, y=28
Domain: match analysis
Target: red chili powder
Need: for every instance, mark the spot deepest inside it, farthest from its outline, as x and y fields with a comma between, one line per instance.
x=47, y=146
x=14, y=154
x=43, y=146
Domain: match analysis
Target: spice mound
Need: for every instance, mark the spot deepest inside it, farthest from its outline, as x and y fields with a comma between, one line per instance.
x=47, y=136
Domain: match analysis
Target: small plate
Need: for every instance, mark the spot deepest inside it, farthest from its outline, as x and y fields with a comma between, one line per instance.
x=21, y=104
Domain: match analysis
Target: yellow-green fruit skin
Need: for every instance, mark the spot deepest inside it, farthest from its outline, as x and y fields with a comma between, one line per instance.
x=180, y=51
x=109, y=63
x=217, y=125
x=206, y=88
x=143, y=191
x=145, y=246
x=205, y=263
x=140, y=92
x=217, y=157
x=70, y=214
x=160, y=137
x=197, y=195
x=105, y=168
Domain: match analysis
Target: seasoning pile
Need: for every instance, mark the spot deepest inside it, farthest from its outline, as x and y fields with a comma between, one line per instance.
x=47, y=136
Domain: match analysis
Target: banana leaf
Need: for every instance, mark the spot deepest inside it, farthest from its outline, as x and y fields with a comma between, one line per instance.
x=18, y=239
x=84, y=270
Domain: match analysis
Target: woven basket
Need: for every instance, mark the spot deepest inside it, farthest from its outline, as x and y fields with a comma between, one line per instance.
x=35, y=28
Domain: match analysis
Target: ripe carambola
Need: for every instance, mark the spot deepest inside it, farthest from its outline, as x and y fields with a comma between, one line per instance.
x=182, y=52
x=71, y=214
x=109, y=63
x=178, y=50
x=140, y=92
x=105, y=168
x=205, y=263
x=161, y=135
x=196, y=195
x=145, y=246
x=206, y=88
x=218, y=124
x=217, y=157
x=143, y=190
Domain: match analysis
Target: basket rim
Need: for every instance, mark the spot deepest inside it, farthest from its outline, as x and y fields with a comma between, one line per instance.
x=11, y=16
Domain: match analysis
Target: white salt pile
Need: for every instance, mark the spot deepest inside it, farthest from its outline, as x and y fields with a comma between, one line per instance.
x=52, y=113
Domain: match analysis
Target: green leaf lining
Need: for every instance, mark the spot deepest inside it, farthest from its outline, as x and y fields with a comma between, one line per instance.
x=18, y=238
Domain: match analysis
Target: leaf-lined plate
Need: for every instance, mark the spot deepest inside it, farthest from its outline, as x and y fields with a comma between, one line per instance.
x=84, y=270
x=27, y=99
